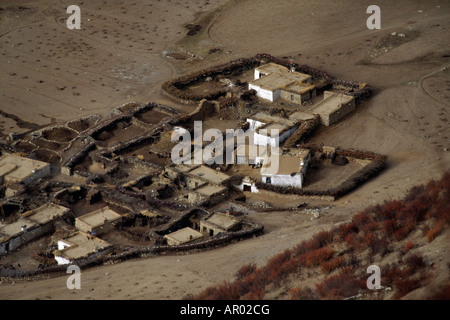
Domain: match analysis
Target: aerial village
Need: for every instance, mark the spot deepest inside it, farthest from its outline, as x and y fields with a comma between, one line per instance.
x=102, y=190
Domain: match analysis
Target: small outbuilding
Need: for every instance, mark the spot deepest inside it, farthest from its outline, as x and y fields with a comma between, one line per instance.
x=218, y=222
x=99, y=221
x=182, y=236
x=79, y=245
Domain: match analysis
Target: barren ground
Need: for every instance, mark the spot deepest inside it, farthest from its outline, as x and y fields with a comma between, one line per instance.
x=50, y=75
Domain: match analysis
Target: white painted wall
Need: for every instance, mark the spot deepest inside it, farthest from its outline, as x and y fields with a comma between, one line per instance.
x=62, y=245
x=253, y=188
x=262, y=93
x=62, y=260
x=285, y=180
x=254, y=124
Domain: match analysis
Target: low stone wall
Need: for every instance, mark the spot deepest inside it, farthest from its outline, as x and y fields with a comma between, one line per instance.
x=100, y=258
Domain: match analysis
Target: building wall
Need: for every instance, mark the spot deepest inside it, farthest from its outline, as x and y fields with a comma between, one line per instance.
x=61, y=260
x=264, y=94
x=208, y=229
x=254, y=124
x=106, y=227
x=16, y=242
x=293, y=97
x=285, y=180
x=80, y=225
x=44, y=172
x=253, y=188
x=336, y=116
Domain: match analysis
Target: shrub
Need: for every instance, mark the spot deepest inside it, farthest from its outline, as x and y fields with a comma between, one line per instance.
x=408, y=246
x=415, y=262
x=302, y=294
x=344, y=284
x=404, y=285
x=245, y=270
x=333, y=264
x=431, y=235
x=315, y=258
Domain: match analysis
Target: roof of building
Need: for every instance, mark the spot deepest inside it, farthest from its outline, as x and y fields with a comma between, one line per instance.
x=252, y=150
x=221, y=221
x=99, y=217
x=17, y=168
x=210, y=189
x=81, y=245
x=299, y=115
x=10, y=230
x=332, y=101
x=289, y=163
x=278, y=77
x=45, y=213
x=299, y=88
x=209, y=174
x=184, y=235
x=267, y=118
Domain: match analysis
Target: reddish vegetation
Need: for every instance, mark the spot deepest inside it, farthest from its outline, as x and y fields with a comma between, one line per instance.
x=374, y=231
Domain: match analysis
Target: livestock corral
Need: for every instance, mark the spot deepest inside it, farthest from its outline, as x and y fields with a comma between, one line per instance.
x=123, y=196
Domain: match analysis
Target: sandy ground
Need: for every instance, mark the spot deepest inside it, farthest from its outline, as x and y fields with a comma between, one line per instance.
x=51, y=74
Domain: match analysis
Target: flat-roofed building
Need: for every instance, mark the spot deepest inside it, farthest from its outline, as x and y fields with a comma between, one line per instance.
x=17, y=169
x=271, y=130
x=273, y=81
x=13, y=235
x=333, y=107
x=46, y=213
x=218, y=222
x=290, y=170
x=210, y=175
x=30, y=226
x=182, y=236
x=250, y=154
x=79, y=245
x=211, y=193
x=98, y=222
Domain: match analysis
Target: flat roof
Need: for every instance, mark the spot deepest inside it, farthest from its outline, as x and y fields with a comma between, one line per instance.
x=17, y=168
x=250, y=150
x=277, y=77
x=300, y=88
x=331, y=103
x=299, y=115
x=45, y=213
x=82, y=245
x=12, y=229
x=184, y=235
x=209, y=174
x=222, y=221
x=266, y=118
x=99, y=217
x=288, y=163
x=209, y=189
x=274, y=68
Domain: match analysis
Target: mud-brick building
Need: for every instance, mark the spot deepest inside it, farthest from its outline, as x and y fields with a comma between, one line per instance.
x=15, y=169
x=30, y=226
x=333, y=107
x=98, y=222
x=217, y=223
x=182, y=236
x=79, y=245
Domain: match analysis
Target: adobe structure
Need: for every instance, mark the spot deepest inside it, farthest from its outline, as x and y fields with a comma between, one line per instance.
x=121, y=196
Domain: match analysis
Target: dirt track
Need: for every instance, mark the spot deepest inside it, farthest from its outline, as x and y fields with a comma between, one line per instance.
x=51, y=74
